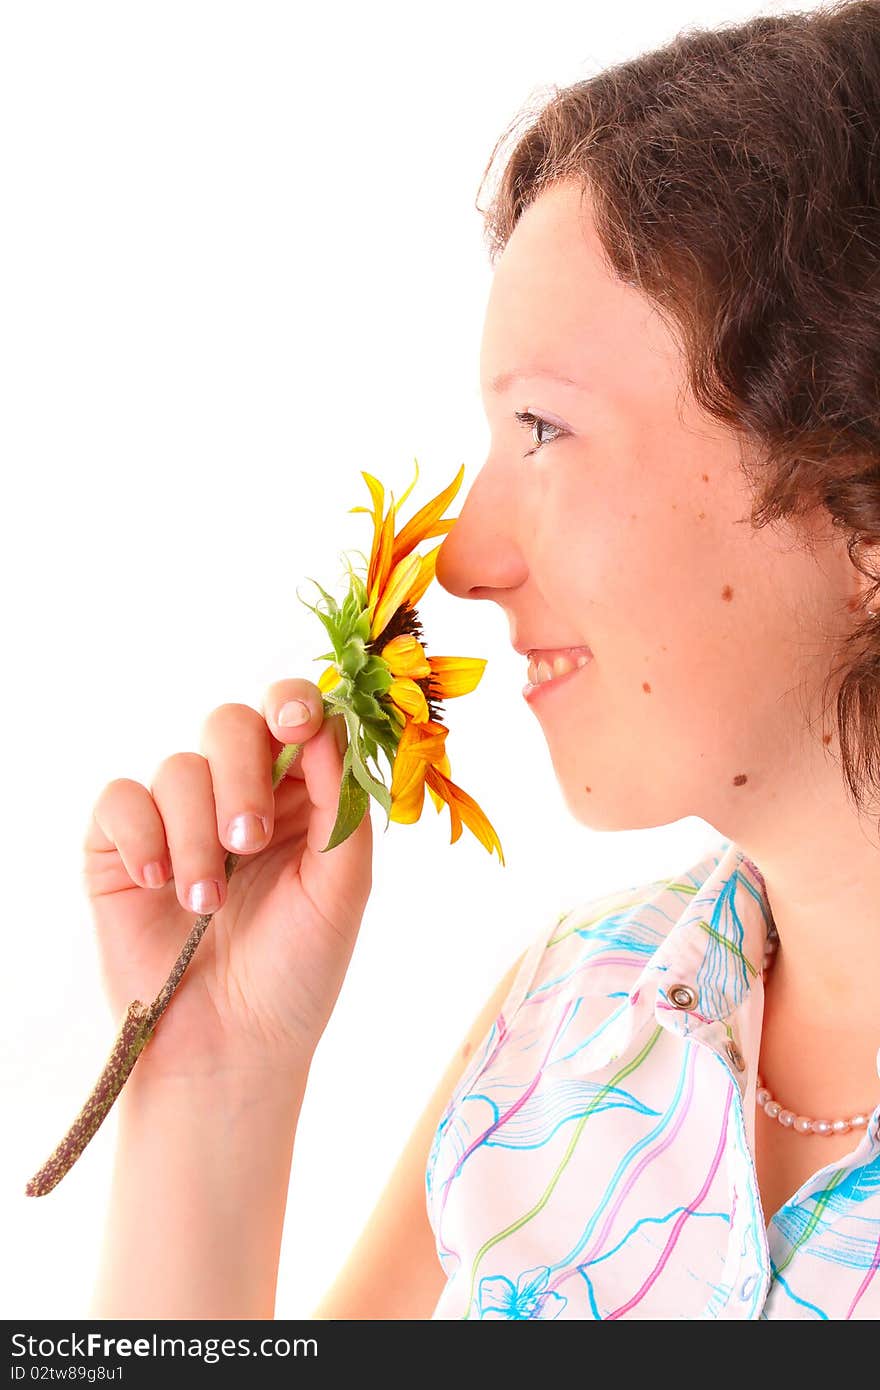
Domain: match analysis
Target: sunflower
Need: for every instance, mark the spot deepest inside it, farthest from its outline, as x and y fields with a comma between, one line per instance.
x=386, y=686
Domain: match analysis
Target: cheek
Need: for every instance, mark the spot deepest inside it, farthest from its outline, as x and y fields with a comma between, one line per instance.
x=681, y=607
x=658, y=569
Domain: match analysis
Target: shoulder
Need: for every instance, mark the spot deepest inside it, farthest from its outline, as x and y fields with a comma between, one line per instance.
x=601, y=941
x=588, y=958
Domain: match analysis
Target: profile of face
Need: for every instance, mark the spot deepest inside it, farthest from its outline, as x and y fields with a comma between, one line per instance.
x=620, y=522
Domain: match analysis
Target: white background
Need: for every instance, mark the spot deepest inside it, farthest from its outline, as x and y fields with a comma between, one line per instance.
x=240, y=261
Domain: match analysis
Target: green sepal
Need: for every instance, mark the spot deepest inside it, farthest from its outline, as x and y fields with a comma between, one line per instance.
x=354, y=657
x=375, y=678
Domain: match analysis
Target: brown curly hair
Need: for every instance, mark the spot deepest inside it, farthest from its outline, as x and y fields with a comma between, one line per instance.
x=734, y=177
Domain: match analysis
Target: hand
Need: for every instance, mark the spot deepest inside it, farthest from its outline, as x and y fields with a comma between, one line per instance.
x=265, y=977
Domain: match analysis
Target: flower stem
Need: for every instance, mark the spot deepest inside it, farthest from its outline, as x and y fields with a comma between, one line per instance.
x=136, y=1031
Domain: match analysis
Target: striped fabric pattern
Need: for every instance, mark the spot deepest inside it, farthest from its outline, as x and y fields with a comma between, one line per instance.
x=595, y=1159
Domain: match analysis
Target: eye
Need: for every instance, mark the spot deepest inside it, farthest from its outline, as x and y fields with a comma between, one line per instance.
x=530, y=421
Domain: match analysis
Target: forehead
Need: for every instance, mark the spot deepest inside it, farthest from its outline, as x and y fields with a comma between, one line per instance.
x=553, y=301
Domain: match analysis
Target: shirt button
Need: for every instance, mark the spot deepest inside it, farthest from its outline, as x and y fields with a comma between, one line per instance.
x=735, y=1055
x=682, y=997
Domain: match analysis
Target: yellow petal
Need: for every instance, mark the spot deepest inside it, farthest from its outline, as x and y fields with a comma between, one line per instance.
x=328, y=679
x=377, y=493
x=382, y=564
x=406, y=657
x=407, y=788
x=418, y=527
x=426, y=574
x=455, y=675
x=441, y=799
x=443, y=767
x=474, y=818
x=394, y=592
x=406, y=810
x=409, y=697
x=399, y=504
x=425, y=742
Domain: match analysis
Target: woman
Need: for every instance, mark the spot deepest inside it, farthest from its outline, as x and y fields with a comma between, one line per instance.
x=679, y=365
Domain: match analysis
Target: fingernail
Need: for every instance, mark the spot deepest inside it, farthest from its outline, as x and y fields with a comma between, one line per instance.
x=293, y=713
x=246, y=831
x=204, y=896
x=154, y=875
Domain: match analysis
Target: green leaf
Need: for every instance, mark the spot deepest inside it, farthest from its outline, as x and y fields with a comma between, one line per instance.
x=367, y=781
x=352, y=807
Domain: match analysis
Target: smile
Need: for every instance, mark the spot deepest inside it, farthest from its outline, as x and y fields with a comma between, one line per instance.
x=550, y=668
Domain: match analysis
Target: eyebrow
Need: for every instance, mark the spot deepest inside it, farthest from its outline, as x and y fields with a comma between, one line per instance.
x=500, y=382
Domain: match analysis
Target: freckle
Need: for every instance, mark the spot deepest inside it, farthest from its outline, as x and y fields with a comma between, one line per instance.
x=739, y=779
x=588, y=789
x=663, y=649
x=674, y=507
x=705, y=477
x=727, y=593
x=633, y=516
x=701, y=516
x=646, y=687
x=826, y=738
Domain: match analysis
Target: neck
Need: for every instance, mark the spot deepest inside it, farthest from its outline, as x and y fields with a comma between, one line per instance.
x=821, y=866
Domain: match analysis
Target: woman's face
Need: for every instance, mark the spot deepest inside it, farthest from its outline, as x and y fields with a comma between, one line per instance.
x=615, y=525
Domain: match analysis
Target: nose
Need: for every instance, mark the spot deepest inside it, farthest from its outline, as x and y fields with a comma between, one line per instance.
x=480, y=553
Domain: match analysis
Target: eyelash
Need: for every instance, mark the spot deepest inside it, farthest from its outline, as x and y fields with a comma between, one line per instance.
x=529, y=421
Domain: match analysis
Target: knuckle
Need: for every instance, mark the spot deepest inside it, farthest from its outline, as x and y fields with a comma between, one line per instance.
x=224, y=718
x=178, y=764
x=118, y=784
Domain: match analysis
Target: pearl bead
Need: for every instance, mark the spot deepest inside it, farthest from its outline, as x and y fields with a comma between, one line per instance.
x=821, y=1126
x=859, y=1121
x=803, y=1124
x=762, y=1095
x=786, y=1118
x=840, y=1127
x=772, y=1108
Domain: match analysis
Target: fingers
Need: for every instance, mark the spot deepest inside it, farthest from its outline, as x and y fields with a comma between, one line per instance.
x=200, y=805
x=340, y=879
x=126, y=818
x=184, y=796
x=293, y=710
x=238, y=749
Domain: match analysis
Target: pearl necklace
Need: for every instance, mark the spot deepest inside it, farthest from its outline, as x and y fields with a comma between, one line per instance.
x=801, y=1124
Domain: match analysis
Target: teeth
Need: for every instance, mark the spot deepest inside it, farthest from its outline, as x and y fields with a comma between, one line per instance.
x=542, y=669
